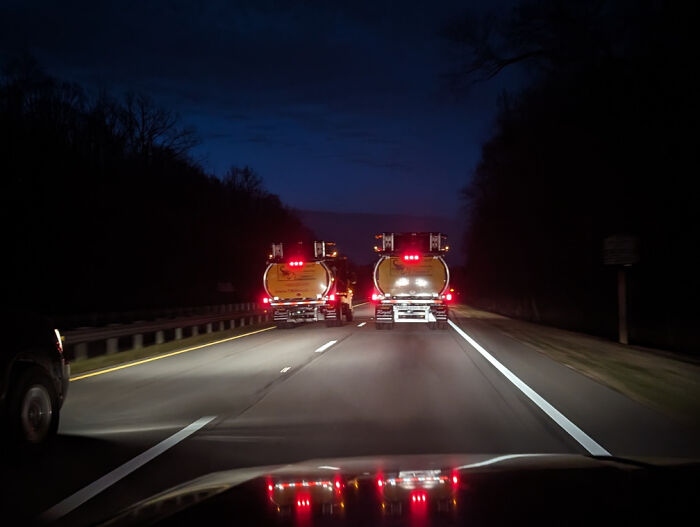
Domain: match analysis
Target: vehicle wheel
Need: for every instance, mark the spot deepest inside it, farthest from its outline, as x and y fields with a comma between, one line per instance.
x=348, y=315
x=34, y=409
x=283, y=325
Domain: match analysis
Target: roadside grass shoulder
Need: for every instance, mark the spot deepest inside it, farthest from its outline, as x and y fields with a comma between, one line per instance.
x=662, y=380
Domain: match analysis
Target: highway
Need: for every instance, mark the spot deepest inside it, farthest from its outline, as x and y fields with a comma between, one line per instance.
x=280, y=396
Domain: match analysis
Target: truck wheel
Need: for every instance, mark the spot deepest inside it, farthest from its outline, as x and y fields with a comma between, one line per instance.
x=34, y=409
x=339, y=316
x=348, y=315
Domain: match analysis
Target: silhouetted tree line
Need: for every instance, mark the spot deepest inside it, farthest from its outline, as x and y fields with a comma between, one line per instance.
x=604, y=141
x=104, y=210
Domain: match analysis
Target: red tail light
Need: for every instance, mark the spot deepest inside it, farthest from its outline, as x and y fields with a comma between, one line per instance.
x=266, y=300
x=332, y=297
x=296, y=263
x=448, y=297
x=411, y=257
x=419, y=497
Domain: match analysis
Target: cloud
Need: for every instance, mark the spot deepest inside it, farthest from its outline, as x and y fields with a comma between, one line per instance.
x=393, y=166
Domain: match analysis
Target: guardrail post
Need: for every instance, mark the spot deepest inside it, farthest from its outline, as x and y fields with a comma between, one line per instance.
x=178, y=333
x=242, y=322
x=195, y=331
x=80, y=351
x=137, y=341
x=160, y=336
x=209, y=328
x=222, y=326
x=112, y=346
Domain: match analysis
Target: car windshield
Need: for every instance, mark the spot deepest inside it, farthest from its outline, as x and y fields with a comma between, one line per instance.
x=267, y=232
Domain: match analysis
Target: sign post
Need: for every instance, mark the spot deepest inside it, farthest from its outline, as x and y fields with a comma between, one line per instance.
x=623, y=251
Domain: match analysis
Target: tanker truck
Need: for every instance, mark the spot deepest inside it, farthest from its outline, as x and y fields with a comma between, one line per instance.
x=301, y=286
x=411, y=280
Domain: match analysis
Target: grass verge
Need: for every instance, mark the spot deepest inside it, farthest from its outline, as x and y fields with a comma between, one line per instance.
x=123, y=357
x=662, y=380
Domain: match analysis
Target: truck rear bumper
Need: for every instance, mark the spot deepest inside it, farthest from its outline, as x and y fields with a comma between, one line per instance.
x=411, y=313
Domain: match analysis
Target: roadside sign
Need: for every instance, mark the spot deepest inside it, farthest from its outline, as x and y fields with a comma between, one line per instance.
x=620, y=250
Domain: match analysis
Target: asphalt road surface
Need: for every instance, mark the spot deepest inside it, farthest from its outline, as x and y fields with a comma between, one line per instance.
x=311, y=392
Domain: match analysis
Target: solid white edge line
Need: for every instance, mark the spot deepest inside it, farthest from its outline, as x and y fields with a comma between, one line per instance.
x=325, y=346
x=361, y=324
x=498, y=459
x=285, y=369
x=574, y=431
x=76, y=500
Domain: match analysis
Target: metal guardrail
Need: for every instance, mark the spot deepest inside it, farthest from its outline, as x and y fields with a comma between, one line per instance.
x=86, y=342
x=68, y=322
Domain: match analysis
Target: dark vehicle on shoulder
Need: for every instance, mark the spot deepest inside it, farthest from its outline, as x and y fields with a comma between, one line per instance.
x=34, y=376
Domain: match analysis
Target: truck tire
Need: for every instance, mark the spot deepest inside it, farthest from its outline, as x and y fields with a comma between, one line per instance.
x=349, y=315
x=33, y=410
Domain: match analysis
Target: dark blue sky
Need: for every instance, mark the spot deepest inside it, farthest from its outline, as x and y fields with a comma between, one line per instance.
x=338, y=107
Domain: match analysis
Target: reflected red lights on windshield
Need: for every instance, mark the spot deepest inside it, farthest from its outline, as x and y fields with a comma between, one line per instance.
x=296, y=263
x=411, y=257
x=419, y=497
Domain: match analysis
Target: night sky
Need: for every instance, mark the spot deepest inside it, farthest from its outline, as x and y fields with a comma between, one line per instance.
x=337, y=108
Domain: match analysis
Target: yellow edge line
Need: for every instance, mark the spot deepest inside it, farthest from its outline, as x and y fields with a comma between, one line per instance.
x=136, y=363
